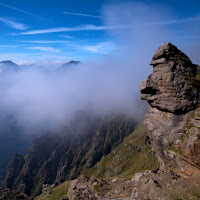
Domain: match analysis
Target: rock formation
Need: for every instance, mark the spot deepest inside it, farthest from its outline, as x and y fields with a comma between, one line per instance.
x=167, y=88
x=173, y=122
x=173, y=101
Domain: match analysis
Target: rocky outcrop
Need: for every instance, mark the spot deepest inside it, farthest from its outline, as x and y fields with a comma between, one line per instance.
x=173, y=123
x=85, y=188
x=174, y=100
x=167, y=88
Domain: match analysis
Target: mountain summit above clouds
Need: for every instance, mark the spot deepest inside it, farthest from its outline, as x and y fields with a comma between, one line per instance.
x=7, y=66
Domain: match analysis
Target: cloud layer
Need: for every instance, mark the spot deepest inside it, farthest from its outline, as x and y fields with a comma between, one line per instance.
x=49, y=100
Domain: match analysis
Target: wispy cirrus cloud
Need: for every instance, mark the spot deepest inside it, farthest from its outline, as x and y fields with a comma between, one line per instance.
x=100, y=48
x=66, y=36
x=14, y=24
x=40, y=48
x=176, y=21
x=44, y=41
x=72, y=29
x=82, y=15
x=8, y=46
x=17, y=9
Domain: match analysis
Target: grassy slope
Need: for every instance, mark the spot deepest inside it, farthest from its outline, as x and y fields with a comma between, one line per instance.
x=56, y=193
x=128, y=158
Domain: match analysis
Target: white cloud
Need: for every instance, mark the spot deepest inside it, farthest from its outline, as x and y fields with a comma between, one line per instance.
x=49, y=49
x=8, y=46
x=100, y=48
x=44, y=41
x=13, y=24
x=39, y=58
x=17, y=9
x=67, y=36
x=70, y=29
x=176, y=21
x=82, y=14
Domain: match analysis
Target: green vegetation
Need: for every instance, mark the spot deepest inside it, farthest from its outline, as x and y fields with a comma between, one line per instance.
x=128, y=158
x=187, y=194
x=98, y=186
x=186, y=129
x=57, y=193
x=175, y=148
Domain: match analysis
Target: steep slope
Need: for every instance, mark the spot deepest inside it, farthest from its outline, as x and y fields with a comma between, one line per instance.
x=11, y=142
x=12, y=195
x=110, y=177
x=62, y=156
x=133, y=155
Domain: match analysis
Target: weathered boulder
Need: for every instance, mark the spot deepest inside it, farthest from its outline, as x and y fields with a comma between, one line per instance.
x=167, y=88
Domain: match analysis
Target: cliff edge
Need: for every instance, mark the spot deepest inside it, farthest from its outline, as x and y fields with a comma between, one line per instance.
x=173, y=123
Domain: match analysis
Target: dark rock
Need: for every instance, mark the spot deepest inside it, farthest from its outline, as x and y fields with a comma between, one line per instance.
x=13, y=195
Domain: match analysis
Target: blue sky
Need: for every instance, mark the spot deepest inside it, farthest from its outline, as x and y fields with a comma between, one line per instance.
x=61, y=30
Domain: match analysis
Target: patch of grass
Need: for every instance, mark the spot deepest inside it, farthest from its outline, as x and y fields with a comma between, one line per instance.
x=57, y=193
x=185, y=130
x=98, y=186
x=189, y=194
x=176, y=149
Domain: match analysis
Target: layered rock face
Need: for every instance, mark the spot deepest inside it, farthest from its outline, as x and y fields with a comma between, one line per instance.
x=167, y=88
x=173, y=94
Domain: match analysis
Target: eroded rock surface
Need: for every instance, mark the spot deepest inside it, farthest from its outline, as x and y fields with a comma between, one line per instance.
x=173, y=99
x=92, y=188
x=173, y=123
x=167, y=87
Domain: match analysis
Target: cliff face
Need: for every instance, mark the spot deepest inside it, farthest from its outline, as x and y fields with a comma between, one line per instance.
x=173, y=123
x=172, y=91
x=63, y=156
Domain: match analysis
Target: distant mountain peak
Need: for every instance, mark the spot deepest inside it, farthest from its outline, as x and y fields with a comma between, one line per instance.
x=72, y=62
x=68, y=65
x=8, y=66
x=8, y=62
